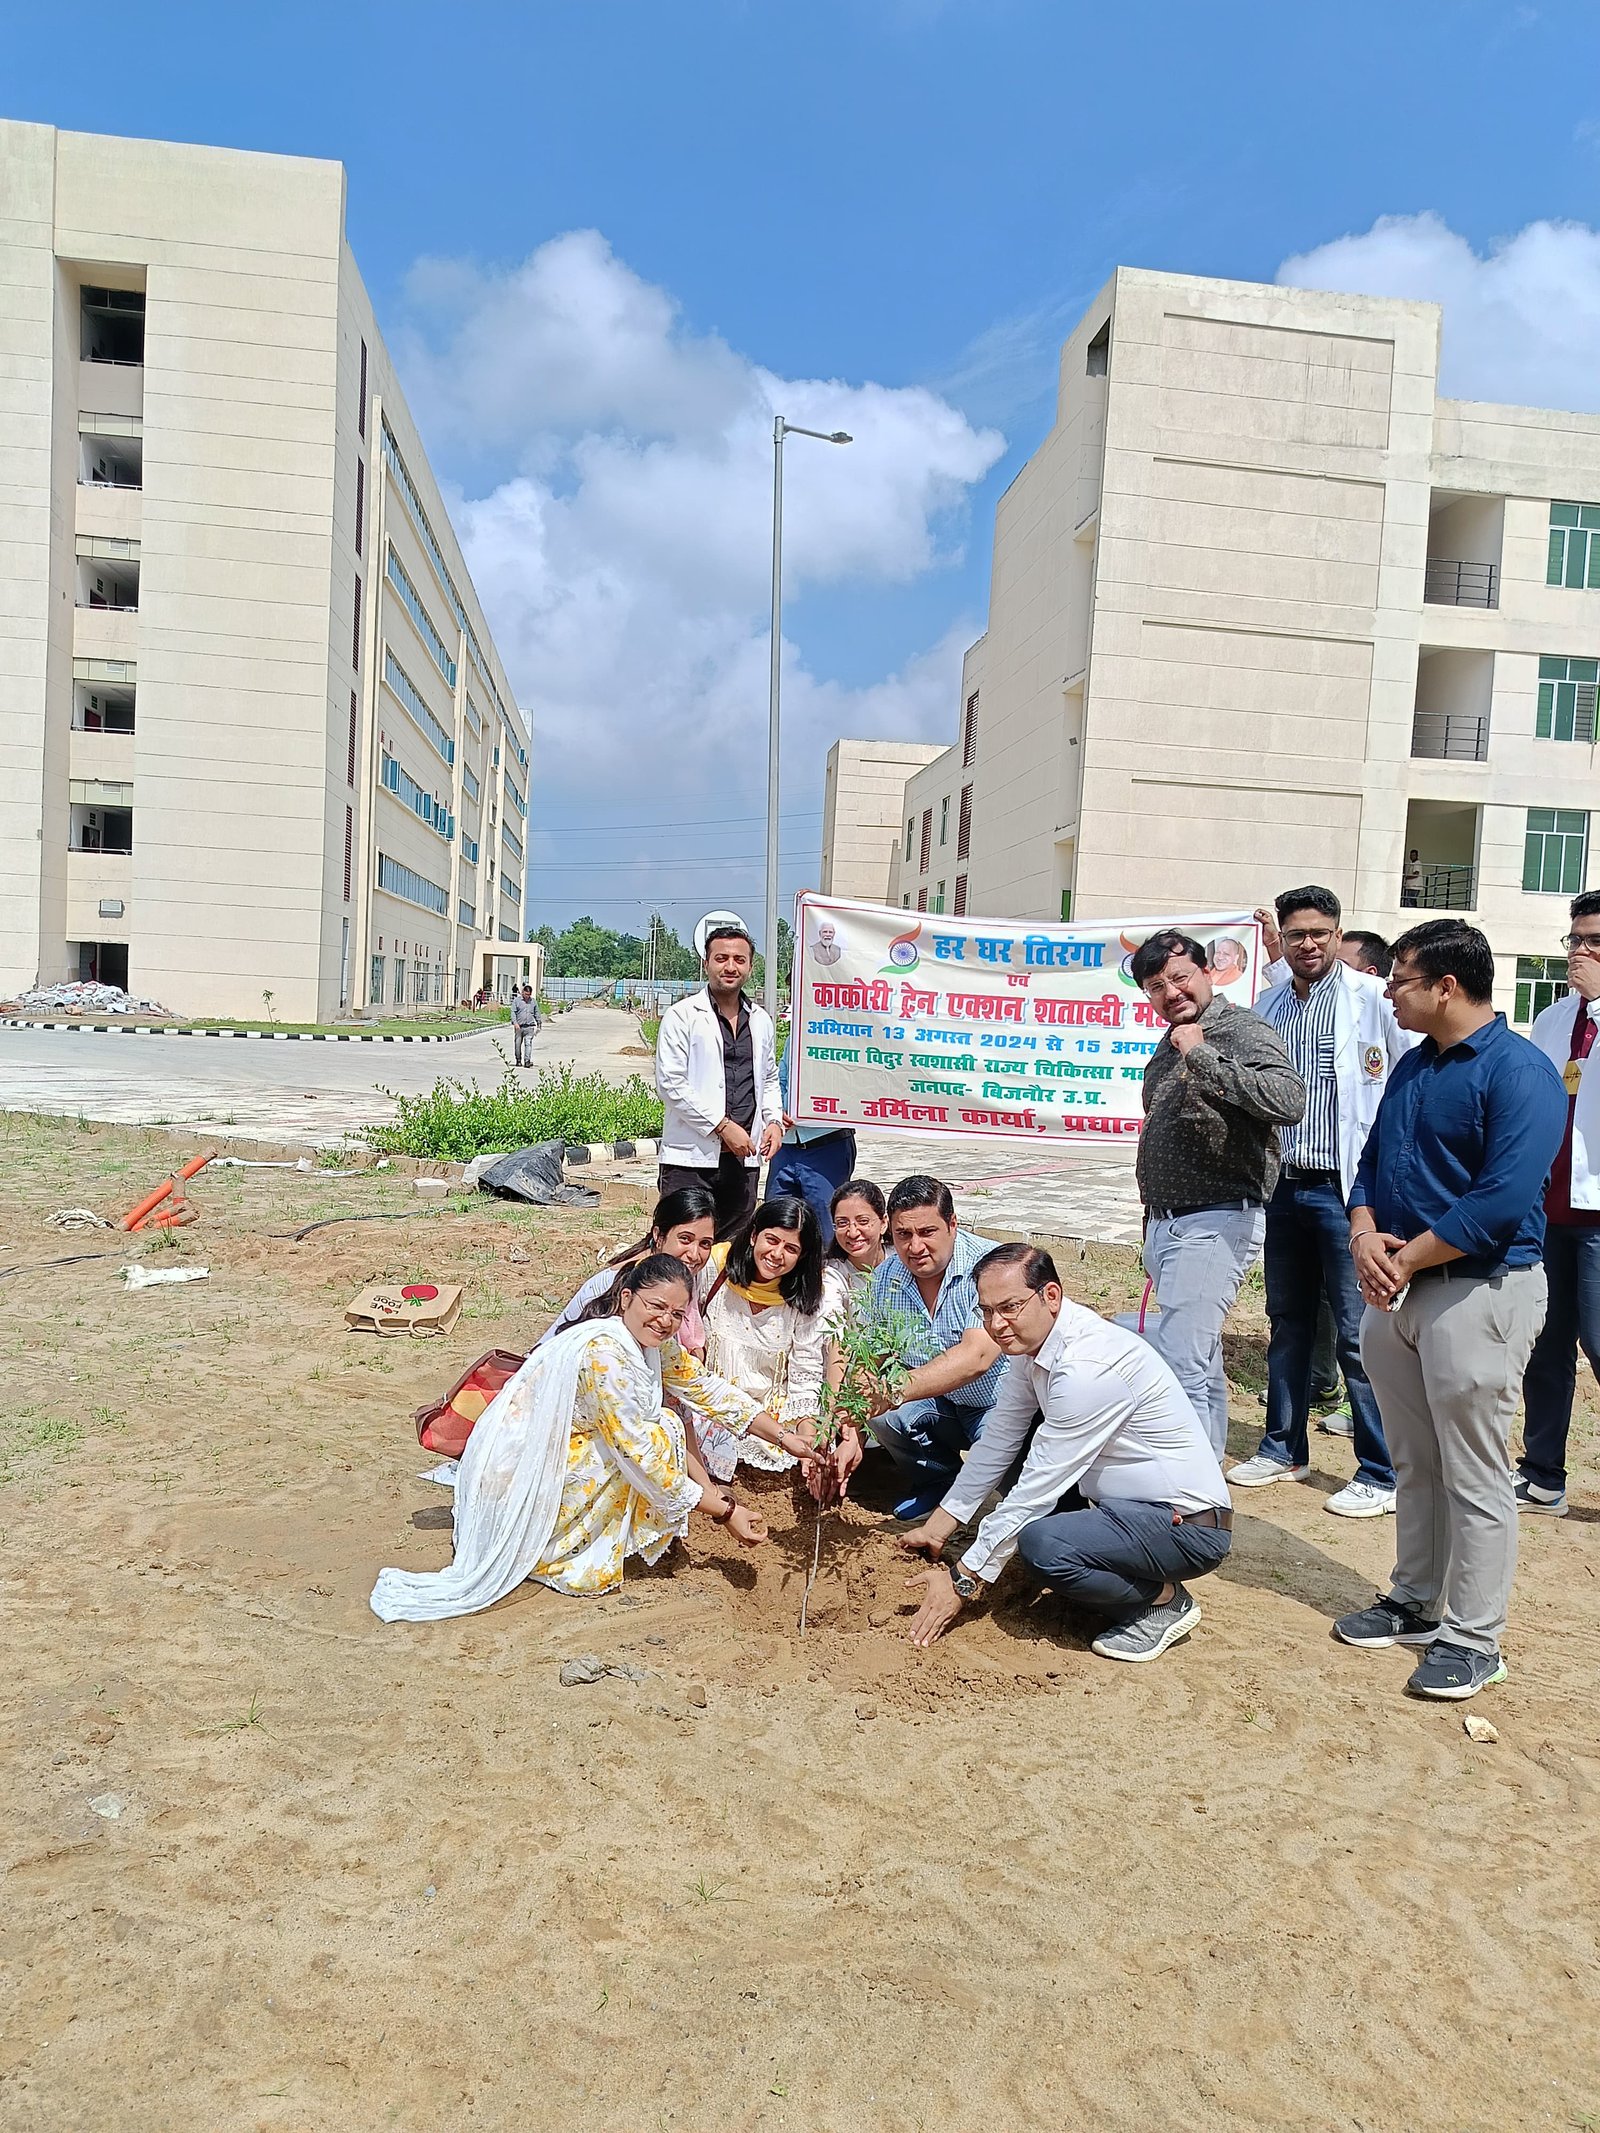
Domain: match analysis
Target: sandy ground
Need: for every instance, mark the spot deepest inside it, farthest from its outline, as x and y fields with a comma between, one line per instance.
x=269, y=1864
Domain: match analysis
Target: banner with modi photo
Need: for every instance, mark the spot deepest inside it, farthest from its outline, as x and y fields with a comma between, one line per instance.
x=998, y=1029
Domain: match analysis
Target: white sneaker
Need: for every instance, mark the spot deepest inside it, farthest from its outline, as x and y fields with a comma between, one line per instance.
x=1359, y=1499
x=1256, y=1473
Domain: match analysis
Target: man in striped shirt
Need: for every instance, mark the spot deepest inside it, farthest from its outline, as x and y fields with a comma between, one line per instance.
x=1341, y=1033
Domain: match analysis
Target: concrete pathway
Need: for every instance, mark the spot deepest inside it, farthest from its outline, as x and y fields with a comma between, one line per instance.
x=320, y=1093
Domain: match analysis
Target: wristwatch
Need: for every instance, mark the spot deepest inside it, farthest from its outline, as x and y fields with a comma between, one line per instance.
x=967, y=1586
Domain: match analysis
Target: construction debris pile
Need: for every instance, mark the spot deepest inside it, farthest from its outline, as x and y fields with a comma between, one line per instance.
x=83, y=997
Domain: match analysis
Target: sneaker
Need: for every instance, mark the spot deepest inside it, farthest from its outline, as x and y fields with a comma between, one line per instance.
x=1385, y=1622
x=912, y=1510
x=1544, y=1503
x=1337, y=1421
x=1360, y=1499
x=1256, y=1473
x=1147, y=1636
x=1451, y=1673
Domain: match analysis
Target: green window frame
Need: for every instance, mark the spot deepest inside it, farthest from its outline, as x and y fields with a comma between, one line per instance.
x=938, y=898
x=1555, y=852
x=1574, y=553
x=1541, y=981
x=1568, y=690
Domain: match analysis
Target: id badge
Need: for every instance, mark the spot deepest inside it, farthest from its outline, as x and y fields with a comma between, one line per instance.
x=1571, y=1075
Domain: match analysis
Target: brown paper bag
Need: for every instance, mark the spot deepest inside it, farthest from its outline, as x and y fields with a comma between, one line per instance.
x=423, y=1309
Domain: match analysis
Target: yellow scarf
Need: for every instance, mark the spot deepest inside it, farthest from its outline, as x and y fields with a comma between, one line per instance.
x=759, y=1295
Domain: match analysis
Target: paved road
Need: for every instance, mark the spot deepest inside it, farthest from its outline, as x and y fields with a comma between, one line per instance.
x=318, y=1093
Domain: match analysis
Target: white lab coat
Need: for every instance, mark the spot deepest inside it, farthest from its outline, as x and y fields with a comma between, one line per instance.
x=690, y=1084
x=1552, y=1033
x=1367, y=1042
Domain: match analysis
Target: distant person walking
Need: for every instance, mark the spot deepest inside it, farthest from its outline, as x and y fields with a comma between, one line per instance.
x=717, y=1077
x=1446, y=1225
x=1216, y=1090
x=525, y=1024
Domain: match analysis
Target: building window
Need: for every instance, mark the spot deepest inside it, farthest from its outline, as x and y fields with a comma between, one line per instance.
x=1066, y=906
x=1574, y=558
x=905, y=901
x=375, y=986
x=402, y=686
x=1541, y=981
x=938, y=898
x=466, y=914
x=969, y=738
x=399, y=981
x=1567, y=690
x=911, y=831
x=469, y=778
x=922, y=899
x=349, y=847
x=355, y=632
x=361, y=499
x=393, y=777
x=1555, y=852
x=350, y=745
x=927, y=840
x=411, y=599
x=361, y=393
x=960, y=905
x=944, y=820
x=964, y=824
x=398, y=880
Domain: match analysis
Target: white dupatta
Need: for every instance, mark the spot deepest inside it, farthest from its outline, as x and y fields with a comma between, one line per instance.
x=508, y=1483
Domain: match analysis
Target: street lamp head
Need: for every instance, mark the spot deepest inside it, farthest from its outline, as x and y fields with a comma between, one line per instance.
x=841, y=437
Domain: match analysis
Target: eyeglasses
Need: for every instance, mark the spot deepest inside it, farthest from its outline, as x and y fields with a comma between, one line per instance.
x=1010, y=1312
x=1297, y=934
x=1589, y=943
x=1417, y=977
x=664, y=1315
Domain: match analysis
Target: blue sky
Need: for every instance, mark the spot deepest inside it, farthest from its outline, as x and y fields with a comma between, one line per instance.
x=914, y=198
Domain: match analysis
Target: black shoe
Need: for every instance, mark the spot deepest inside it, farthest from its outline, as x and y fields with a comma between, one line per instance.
x=1451, y=1673
x=1385, y=1622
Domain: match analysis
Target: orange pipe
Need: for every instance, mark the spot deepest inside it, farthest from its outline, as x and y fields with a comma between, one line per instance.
x=134, y=1218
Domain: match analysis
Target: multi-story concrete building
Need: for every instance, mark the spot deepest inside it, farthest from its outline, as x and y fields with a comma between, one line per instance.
x=1265, y=609
x=861, y=814
x=254, y=734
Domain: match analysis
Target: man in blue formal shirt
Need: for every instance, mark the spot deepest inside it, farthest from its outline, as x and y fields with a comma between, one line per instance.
x=1446, y=1230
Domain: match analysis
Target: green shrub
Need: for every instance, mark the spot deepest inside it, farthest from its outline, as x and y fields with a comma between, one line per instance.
x=455, y=1121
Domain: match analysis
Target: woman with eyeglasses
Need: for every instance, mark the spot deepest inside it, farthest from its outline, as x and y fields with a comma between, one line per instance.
x=579, y=1463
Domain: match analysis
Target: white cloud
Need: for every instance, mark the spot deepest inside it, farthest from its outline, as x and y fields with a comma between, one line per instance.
x=620, y=539
x=1521, y=321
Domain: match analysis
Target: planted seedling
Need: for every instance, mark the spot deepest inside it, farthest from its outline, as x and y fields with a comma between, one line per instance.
x=875, y=1343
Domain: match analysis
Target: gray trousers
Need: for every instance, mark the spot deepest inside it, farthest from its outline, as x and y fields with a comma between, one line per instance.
x=1447, y=1368
x=1197, y=1263
x=522, y=1036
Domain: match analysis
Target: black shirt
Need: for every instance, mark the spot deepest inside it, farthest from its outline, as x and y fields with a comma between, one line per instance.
x=738, y=1066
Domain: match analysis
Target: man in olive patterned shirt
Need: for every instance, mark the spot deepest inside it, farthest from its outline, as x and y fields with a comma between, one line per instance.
x=1216, y=1090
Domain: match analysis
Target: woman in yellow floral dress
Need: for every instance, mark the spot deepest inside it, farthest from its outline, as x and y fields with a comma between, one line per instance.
x=578, y=1463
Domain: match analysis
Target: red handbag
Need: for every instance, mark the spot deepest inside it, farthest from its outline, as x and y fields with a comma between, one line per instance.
x=444, y=1425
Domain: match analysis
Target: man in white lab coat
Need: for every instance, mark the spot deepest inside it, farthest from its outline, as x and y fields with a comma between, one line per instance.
x=1343, y=1038
x=717, y=1077
x=1565, y=1032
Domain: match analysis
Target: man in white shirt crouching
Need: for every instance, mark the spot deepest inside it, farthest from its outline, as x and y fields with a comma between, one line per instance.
x=1111, y=1426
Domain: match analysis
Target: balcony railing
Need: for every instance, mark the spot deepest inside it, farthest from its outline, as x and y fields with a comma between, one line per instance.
x=1442, y=888
x=1450, y=736
x=110, y=481
x=1461, y=584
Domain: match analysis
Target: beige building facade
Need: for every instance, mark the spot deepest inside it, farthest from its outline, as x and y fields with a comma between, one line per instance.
x=1264, y=610
x=255, y=738
x=861, y=814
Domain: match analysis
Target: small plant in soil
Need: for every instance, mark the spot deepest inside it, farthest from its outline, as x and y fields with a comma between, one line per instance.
x=875, y=1343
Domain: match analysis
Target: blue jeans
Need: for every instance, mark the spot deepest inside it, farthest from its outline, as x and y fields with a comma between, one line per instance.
x=1572, y=1321
x=813, y=1171
x=925, y=1439
x=1112, y=1559
x=1308, y=1252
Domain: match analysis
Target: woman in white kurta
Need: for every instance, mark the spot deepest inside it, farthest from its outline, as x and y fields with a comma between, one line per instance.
x=683, y=1224
x=578, y=1464
x=765, y=1330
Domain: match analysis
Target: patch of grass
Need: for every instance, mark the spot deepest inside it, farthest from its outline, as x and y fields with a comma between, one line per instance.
x=29, y=1431
x=454, y=1121
x=255, y=1716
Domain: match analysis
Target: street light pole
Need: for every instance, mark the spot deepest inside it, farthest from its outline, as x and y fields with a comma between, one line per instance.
x=780, y=430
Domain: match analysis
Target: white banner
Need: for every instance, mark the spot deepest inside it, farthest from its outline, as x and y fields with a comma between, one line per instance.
x=988, y=1028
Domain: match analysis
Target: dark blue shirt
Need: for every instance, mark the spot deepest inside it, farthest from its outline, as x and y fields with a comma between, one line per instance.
x=1462, y=1145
